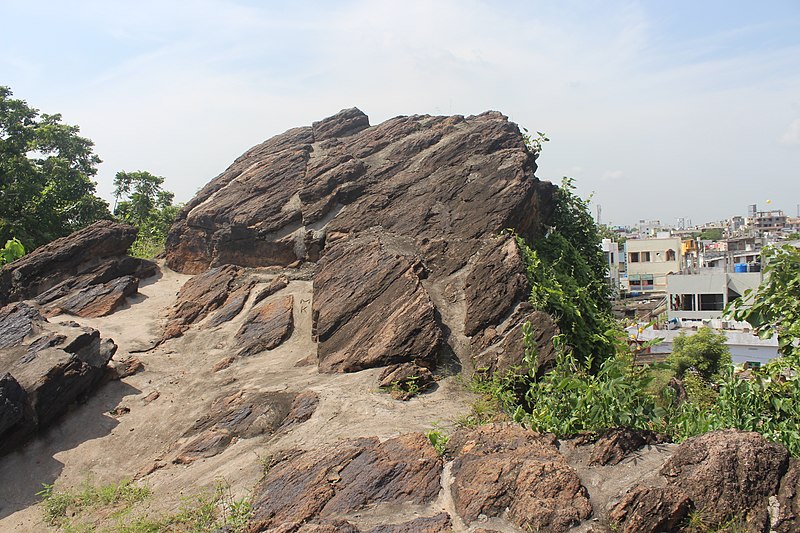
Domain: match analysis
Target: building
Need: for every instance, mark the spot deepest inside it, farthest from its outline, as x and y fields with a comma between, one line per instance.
x=612, y=257
x=650, y=260
x=703, y=295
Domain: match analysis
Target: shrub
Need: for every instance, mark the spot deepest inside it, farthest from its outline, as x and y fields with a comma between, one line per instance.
x=705, y=351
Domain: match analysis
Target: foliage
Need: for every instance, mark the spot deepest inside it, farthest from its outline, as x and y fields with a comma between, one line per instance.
x=12, y=251
x=534, y=142
x=438, y=440
x=46, y=168
x=705, y=351
x=140, y=201
x=57, y=504
x=572, y=398
x=710, y=234
x=567, y=274
x=774, y=309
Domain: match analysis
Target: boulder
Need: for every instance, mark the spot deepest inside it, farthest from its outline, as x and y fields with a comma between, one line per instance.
x=92, y=255
x=405, y=380
x=727, y=474
x=18, y=321
x=726, y=478
x=98, y=300
x=616, y=444
x=243, y=414
x=509, y=471
x=42, y=376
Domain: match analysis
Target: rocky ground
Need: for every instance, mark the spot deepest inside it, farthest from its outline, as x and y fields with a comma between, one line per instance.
x=321, y=305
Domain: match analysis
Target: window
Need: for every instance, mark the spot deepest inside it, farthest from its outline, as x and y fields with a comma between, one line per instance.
x=670, y=255
x=634, y=257
x=645, y=257
x=712, y=302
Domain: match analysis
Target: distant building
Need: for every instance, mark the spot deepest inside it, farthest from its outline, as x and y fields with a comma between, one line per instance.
x=649, y=262
x=612, y=257
x=703, y=295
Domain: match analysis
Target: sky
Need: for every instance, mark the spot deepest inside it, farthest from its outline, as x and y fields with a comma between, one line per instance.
x=659, y=110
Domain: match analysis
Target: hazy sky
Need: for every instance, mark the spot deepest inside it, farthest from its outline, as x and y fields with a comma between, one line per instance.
x=662, y=109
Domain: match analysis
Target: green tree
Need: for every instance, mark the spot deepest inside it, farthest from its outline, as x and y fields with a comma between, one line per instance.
x=705, y=351
x=46, y=168
x=774, y=309
x=140, y=201
x=12, y=251
x=711, y=234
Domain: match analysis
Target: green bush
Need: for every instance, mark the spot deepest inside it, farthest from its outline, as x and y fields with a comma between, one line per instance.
x=12, y=251
x=705, y=351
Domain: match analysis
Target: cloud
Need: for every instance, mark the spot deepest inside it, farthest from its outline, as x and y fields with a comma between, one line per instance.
x=792, y=135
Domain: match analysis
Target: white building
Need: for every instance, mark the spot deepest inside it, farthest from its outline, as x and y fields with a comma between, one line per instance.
x=611, y=255
x=703, y=296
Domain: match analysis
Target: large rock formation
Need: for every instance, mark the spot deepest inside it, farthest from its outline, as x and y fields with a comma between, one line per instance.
x=397, y=215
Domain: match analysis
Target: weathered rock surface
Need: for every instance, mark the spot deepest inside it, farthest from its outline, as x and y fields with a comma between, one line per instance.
x=370, y=307
x=381, y=208
x=91, y=256
x=787, y=519
x=98, y=300
x=498, y=468
x=725, y=477
x=204, y=294
x=244, y=414
x=498, y=349
x=619, y=443
x=329, y=484
x=267, y=326
x=48, y=369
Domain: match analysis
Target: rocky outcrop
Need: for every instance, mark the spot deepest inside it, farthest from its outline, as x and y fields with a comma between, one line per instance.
x=382, y=209
x=617, y=444
x=331, y=483
x=98, y=300
x=507, y=469
x=91, y=256
x=727, y=478
x=47, y=369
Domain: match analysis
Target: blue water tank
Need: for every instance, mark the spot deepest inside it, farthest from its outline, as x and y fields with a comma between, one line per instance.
x=740, y=267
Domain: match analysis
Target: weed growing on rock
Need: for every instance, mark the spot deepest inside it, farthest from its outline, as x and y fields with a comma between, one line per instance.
x=438, y=440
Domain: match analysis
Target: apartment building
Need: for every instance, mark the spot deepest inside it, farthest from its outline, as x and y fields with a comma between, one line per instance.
x=650, y=261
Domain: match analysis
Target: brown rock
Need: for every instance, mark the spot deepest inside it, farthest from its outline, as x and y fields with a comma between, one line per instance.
x=728, y=473
x=405, y=380
x=17, y=321
x=651, y=510
x=99, y=300
x=267, y=326
x=431, y=524
x=151, y=397
x=13, y=401
x=354, y=474
x=123, y=369
x=200, y=296
x=788, y=515
x=438, y=188
x=502, y=349
x=370, y=308
x=303, y=407
x=223, y=363
x=616, y=444
x=243, y=414
x=494, y=285
x=83, y=251
x=498, y=468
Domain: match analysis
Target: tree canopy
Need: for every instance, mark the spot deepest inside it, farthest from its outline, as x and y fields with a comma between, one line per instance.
x=142, y=202
x=46, y=168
